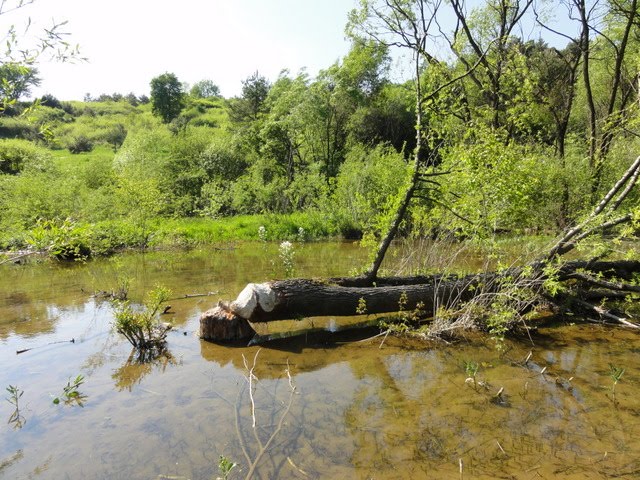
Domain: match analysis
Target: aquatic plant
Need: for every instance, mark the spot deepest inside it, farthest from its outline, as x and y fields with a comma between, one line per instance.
x=71, y=393
x=14, y=395
x=301, y=235
x=361, y=309
x=262, y=233
x=471, y=369
x=616, y=375
x=140, y=326
x=225, y=466
x=14, y=398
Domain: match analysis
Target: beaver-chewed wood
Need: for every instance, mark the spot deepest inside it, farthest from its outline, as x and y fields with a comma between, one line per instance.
x=220, y=324
x=302, y=298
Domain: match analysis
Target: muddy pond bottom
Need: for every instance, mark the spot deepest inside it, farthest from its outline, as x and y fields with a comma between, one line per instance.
x=323, y=405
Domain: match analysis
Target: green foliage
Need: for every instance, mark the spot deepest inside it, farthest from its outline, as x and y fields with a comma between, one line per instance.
x=16, y=419
x=80, y=144
x=63, y=240
x=18, y=127
x=14, y=395
x=16, y=80
x=140, y=325
x=167, y=97
x=254, y=93
x=495, y=186
x=71, y=394
x=616, y=374
x=18, y=155
x=471, y=368
x=225, y=466
x=116, y=136
x=367, y=189
x=204, y=89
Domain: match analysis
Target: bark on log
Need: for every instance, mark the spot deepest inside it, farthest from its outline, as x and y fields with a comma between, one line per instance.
x=296, y=299
x=300, y=298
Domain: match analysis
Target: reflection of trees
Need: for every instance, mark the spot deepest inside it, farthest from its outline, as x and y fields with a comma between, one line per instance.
x=139, y=365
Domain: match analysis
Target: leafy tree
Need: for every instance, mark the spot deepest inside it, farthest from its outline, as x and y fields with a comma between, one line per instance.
x=205, y=89
x=251, y=104
x=167, y=97
x=49, y=100
x=16, y=80
x=21, y=53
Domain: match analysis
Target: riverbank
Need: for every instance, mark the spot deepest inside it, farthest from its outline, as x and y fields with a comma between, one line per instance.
x=69, y=239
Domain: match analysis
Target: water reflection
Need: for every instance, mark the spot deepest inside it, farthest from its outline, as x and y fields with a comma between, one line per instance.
x=138, y=365
x=359, y=410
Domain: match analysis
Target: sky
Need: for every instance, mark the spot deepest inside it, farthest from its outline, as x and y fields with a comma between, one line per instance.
x=128, y=42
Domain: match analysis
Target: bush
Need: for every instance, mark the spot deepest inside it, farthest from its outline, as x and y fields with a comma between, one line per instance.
x=366, y=190
x=16, y=155
x=63, y=240
x=80, y=144
x=17, y=128
x=141, y=326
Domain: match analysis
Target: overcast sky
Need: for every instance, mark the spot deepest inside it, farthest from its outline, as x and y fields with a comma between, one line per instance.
x=128, y=42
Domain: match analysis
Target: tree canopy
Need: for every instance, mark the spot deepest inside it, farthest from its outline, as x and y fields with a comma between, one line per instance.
x=167, y=96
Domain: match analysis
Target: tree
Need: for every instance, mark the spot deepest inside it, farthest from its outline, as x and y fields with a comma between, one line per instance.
x=205, y=89
x=254, y=93
x=167, y=96
x=410, y=25
x=21, y=53
x=16, y=80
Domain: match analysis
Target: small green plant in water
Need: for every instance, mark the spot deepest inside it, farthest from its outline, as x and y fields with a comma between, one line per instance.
x=286, y=254
x=361, y=309
x=225, y=466
x=71, y=393
x=301, y=236
x=616, y=375
x=140, y=326
x=471, y=369
x=14, y=395
x=14, y=399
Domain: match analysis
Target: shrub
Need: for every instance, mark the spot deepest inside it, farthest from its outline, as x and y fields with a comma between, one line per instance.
x=63, y=240
x=140, y=326
x=17, y=128
x=80, y=144
x=366, y=188
x=16, y=155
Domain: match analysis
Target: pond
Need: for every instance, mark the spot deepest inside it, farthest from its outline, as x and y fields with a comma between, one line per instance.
x=341, y=405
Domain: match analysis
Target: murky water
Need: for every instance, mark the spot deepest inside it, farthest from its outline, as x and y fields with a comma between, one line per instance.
x=324, y=406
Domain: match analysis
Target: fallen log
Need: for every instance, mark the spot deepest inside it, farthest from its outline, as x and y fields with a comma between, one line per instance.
x=302, y=298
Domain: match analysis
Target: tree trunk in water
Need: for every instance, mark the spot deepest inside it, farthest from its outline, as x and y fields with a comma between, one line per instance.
x=301, y=298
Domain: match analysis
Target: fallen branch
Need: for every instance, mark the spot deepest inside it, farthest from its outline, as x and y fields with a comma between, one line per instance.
x=20, y=256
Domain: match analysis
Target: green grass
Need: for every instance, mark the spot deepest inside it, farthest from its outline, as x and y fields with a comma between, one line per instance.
x=71, y=163
x=110, y=236
x=197, y=231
